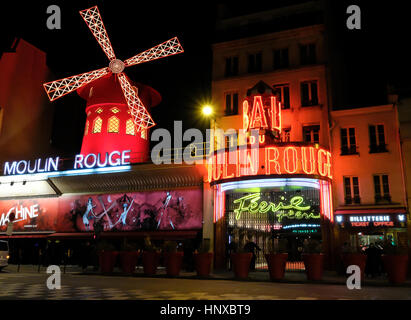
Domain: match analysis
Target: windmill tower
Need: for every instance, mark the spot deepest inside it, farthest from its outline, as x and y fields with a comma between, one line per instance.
x=117, y=116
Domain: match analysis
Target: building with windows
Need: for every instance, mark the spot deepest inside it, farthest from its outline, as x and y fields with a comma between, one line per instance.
x=369, y=187
x=368, y=198
x=290, y=65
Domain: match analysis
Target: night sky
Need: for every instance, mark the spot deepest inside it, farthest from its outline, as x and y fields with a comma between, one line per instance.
x=362, y=61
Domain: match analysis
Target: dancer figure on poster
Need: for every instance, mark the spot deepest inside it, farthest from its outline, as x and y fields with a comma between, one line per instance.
x=164, y=208
x=86, y=218
x=123, y=216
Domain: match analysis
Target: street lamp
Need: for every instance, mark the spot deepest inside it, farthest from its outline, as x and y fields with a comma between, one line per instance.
x=207, y=110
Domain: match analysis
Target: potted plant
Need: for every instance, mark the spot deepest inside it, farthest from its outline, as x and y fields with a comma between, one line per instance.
x=128, y=258
x=150, y=257
x=313, y=259
x=395, y=260
x=354, y=256
x=107, y=257
x=277, y=258
x=241, y=261
x=203, y=259
x=173, y=259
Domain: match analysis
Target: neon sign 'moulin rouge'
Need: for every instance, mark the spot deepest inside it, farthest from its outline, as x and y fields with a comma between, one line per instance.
x=293, y=210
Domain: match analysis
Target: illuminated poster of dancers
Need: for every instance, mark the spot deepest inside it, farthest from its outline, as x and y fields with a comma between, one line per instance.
x=157, y=210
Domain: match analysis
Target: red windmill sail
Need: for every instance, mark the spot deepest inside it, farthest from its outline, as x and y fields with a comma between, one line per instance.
x=141, y=118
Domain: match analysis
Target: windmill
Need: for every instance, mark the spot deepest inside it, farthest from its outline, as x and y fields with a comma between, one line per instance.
x=140, y=116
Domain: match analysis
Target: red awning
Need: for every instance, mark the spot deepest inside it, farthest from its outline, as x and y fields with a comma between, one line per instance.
x=190, y=234
x=24, y=236
x=371, y=211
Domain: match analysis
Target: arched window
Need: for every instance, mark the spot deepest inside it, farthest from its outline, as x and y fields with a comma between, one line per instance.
x=113, y=125
x=143, y=134
x=86, y=130
x=130, y=127
x=97, y=125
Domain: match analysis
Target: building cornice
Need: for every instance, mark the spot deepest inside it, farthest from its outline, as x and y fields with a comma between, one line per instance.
x=362, y=110
x=292, y=34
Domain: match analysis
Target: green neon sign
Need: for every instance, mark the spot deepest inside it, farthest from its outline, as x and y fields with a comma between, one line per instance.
x=292, y=210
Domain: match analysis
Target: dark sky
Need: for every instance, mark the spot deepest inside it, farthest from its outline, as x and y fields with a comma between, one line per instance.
x=362, y=61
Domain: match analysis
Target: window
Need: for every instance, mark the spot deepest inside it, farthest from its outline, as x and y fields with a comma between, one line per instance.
x=280, y=59
x=307, y=54
x=283, y=93
x=351, y=190
x=286, y=135
x=97, y=125
x=115, y=110
x=377, y=138
x=130, y=127
x=99, y=110
x=255, y=62
x=309, y=93
x=348, y=141
x=113, y=125
x=143, y=134
x=231, y=66
x=86, y=130
x=381, y=188
x=231, y=103
x=311, y=134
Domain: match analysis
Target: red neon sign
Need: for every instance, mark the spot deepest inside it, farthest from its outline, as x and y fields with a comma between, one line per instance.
x=265, y=113
x=270, y=160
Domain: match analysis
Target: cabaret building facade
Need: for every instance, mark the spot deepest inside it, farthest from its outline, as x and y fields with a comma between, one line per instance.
x=286, y=192
x=333, y=176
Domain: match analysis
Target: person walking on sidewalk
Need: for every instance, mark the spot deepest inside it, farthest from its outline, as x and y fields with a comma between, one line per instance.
x=251, y=246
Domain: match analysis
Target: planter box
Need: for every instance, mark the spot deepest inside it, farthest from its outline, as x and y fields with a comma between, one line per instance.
x=107, y=261
x=173, y=262
x=396, y=267
x=150, y=262
x=128, y=261
x=314, y=265
x=276, y=265
x=241, y=264
x=202, y=263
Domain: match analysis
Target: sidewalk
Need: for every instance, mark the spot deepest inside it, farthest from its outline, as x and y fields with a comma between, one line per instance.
x=296, y=277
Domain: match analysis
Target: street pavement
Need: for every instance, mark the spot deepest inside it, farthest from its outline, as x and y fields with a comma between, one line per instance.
x=30, y=284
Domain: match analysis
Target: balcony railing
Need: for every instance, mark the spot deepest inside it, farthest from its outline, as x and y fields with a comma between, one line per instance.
x=378, y=148
x=349, y=150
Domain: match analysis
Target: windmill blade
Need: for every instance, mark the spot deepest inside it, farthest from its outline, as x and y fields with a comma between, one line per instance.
x=165, y=49
x=58, y=88
x=93, y=19
x=141, y=117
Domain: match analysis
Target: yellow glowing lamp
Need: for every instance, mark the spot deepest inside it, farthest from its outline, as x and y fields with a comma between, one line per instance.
x=207, y=110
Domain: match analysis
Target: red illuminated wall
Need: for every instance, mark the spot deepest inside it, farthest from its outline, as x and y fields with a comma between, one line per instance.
x=106, y=104
x=25, y=129
x=182, y=211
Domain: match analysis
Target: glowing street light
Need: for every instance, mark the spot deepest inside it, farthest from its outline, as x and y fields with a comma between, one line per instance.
x=207, y=110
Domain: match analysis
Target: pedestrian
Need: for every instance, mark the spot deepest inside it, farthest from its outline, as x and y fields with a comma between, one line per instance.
x=85, y=255
x=372, y=260
x=251, y=246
